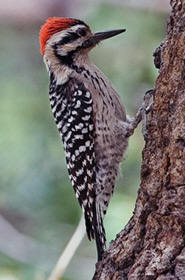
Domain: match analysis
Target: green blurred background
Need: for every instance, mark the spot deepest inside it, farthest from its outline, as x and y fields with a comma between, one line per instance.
x=38, y=208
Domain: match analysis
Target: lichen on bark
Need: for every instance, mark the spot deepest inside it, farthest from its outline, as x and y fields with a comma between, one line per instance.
x=152, y=245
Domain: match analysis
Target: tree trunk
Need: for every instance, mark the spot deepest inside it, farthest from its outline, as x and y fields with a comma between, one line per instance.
x=152, y=245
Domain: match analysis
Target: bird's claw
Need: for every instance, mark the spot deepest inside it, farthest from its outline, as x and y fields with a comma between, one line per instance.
x=147, y=107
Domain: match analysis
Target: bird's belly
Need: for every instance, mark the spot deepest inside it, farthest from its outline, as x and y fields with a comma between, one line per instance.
x=110, y=146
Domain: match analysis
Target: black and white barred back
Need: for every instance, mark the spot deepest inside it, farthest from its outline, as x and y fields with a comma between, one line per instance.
x=72, y=108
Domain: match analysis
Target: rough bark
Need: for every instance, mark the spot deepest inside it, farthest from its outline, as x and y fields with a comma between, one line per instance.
x=152, y=245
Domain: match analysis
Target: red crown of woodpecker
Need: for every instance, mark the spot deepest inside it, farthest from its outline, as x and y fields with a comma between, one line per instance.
x=52, y=26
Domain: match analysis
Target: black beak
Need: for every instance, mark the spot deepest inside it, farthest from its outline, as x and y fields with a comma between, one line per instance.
x=102, y=35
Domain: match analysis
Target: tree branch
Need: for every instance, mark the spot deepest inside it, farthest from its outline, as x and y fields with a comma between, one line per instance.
x=23, y=248
x=152, y=245
x=69, y=251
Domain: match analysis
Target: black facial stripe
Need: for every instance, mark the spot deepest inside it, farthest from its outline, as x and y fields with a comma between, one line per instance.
x=66, y=59
x=82, y=32
x=70, y=37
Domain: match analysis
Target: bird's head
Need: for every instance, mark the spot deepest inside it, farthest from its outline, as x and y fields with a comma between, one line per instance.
x=63, y=38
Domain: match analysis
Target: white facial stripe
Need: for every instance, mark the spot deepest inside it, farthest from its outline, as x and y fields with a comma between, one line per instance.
x=51, y=52
x=57, y=37
x=75, y=27
x=47, y=63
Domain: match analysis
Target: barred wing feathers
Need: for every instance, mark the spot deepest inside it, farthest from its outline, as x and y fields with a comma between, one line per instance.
x=73, y=113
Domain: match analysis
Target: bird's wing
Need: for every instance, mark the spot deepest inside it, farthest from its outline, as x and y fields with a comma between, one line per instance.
x=72, y=106
x=79, y=147
x=73, y=113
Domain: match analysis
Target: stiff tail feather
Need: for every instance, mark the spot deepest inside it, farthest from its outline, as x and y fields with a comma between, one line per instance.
x=95, y=230
x=89, y=226
x=99, y=231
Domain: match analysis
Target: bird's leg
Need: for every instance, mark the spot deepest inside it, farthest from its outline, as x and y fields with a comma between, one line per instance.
x=148, y=109
x=141, y=114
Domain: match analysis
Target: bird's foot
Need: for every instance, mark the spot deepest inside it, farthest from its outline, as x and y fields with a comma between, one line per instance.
x=141, y=114
x=146, y=109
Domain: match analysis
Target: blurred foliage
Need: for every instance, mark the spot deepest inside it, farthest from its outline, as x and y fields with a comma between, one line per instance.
x=36, y=195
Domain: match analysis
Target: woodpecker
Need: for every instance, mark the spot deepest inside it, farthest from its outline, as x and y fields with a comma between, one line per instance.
x=89, y=115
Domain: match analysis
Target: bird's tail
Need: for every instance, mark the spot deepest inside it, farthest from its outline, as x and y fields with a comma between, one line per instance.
x=89, y=225
x=95, y=230
x=99, y=231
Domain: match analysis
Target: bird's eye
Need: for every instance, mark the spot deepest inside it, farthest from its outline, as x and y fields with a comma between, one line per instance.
x=82, y=32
